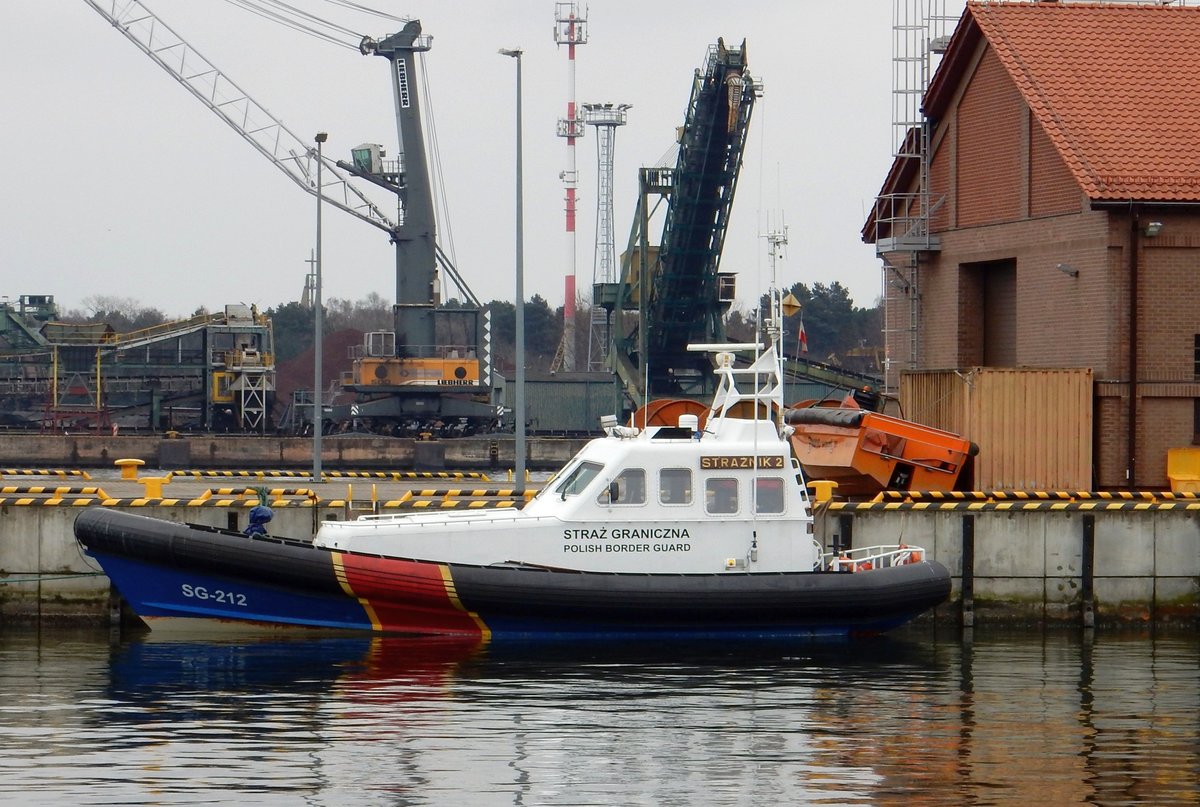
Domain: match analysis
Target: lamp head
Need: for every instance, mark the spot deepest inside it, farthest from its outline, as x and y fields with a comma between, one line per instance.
x=1067, y=269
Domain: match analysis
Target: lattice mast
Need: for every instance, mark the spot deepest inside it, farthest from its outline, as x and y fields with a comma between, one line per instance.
x=606, y=118
x=570, y=29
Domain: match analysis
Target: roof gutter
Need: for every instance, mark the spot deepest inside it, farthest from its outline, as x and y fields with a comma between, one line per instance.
x=1128, y=204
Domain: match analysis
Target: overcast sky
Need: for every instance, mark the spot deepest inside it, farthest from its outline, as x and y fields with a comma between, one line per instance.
x=120, y=183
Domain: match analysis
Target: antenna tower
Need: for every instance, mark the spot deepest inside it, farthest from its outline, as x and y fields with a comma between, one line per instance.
x=606, y=118
x=570, y=29
x=777, y=239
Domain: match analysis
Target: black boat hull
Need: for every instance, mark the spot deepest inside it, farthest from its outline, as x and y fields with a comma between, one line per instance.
x=171, y=572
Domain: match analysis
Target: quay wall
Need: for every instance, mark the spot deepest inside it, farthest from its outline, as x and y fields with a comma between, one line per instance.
x=1044, y=562
x=94, y=450
x=1036, y=565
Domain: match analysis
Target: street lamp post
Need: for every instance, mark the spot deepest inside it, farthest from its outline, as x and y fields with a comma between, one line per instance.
x=318, y=317
x=519, y=397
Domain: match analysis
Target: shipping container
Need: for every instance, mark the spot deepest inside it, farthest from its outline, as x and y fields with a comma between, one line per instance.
x=1033, y=427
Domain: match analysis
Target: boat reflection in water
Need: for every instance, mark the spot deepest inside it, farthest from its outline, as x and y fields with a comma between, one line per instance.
x=915, y=717
x=150, y=668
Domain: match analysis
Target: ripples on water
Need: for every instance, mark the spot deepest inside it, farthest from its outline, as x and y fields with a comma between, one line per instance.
x=917, y=718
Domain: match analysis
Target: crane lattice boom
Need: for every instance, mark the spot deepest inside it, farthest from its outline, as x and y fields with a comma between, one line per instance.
x=289, y=153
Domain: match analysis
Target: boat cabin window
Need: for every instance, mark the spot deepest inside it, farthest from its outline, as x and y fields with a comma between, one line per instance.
x=628, y=488
x=578, y=479
x=768, y=494
x=675, y=486
x=720, y=495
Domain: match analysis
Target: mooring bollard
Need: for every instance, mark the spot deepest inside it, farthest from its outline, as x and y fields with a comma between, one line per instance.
x=129, y=467
x=154, y=485
x=822, y=489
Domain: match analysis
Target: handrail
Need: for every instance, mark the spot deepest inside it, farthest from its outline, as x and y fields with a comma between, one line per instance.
x=867, y=558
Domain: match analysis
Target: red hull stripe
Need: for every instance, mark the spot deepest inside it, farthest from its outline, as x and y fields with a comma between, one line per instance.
x=405, y=596
x=339, y=571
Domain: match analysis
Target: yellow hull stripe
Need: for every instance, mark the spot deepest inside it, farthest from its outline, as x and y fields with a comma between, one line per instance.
x=452, y=592
x=340, y=571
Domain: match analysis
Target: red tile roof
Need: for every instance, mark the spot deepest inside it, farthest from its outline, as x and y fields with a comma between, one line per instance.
x=1116, y=87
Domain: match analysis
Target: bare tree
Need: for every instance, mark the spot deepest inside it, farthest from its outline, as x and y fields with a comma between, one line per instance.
x=123, y=314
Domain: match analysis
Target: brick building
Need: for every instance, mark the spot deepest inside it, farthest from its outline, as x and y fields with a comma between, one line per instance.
x=1048, y=216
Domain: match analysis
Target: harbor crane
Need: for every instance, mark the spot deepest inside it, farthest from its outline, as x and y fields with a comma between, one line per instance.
x=433, y=371
x=676, y=287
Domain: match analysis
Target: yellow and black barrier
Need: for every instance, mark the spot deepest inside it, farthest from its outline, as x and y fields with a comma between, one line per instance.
x=301, y=474
x=198, y=474
x=1034, y=495
x=59, y=490
x=272, y=492
x=98, y=498
x=451, y=504
x=457, y=493
x=53, y=501
x=401, y=475
x=61, y=473
x=247, y=503
x=966, y=505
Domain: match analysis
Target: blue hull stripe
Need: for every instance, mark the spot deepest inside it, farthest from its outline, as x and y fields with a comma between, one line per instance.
x=155, y=590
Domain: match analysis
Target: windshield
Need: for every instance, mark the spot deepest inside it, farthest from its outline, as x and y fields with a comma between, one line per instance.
x=578, y=479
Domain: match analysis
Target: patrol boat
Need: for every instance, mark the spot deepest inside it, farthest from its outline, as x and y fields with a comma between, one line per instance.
x=701, y=528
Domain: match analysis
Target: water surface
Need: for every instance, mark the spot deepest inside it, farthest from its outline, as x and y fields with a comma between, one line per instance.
x=914, y=718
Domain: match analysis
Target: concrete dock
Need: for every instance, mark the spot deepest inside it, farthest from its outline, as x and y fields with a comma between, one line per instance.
x=489, y=454
x=1080, y=559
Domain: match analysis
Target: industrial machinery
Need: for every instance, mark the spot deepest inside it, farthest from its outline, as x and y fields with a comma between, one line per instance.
x=433, y=372
x=867, y=452
x=214, y=372
x=672, y=294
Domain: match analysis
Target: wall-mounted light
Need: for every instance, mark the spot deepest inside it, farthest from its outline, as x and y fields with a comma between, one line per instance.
x=1153, y=228
x=1067, y=269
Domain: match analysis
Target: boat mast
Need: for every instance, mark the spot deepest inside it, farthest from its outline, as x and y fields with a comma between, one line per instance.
x=773, y=319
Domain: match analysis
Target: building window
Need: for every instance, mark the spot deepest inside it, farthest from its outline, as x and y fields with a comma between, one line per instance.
x=1195, y=421
x=1196, y=356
